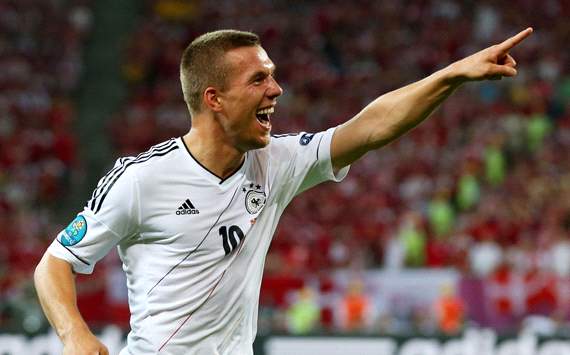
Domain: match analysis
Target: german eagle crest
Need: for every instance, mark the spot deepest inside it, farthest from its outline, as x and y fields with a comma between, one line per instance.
x=254, y=198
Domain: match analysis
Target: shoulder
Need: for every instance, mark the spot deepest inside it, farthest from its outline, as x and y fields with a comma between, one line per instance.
x=290, y=142
x=127, y=170
x=295, y=139
x=123, y=178
x=154, y=160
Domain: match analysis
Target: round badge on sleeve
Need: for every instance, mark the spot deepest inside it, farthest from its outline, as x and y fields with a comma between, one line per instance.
x=306, y=138
x=74, y=232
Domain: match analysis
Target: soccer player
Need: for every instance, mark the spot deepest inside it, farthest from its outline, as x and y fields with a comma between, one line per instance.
x=193, y=217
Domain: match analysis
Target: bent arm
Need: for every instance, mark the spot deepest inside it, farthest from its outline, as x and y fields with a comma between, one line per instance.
x=395, y=113
x=55, y=285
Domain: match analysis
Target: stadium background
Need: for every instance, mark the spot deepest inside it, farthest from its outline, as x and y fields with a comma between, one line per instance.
x=462, y=224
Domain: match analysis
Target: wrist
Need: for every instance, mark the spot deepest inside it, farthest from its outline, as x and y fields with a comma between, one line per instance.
x=74, y=331
x=452, y=76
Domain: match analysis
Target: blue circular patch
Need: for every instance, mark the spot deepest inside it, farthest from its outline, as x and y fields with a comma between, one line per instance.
x=74, y=232
x=306, y=138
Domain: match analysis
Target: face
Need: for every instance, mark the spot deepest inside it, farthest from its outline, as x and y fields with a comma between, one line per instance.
x=249, y=98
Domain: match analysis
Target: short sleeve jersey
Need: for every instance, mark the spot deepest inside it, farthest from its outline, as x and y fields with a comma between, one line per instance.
x=193, y=245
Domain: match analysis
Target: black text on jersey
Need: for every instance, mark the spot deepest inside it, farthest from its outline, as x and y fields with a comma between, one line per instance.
x=187, y=208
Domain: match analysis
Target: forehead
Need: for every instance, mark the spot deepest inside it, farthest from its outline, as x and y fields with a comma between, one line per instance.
x=245, y=61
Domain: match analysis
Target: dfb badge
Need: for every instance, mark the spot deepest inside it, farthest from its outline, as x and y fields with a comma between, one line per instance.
x=254, y=198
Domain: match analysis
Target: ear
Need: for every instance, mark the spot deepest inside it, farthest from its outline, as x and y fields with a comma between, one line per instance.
x=212, y=99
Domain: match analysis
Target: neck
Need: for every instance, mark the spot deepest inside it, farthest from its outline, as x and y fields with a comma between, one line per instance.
x=214, y=154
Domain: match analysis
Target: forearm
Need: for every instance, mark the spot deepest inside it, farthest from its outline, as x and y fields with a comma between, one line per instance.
x=55, y=285
x=395, y=113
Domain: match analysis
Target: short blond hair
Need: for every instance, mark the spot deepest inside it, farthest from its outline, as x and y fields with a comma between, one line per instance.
x=203, y=63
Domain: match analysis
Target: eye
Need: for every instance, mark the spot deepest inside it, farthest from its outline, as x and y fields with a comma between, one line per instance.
x=258, y=79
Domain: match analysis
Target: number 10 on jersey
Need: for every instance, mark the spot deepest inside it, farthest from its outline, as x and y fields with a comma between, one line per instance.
x=230, y=237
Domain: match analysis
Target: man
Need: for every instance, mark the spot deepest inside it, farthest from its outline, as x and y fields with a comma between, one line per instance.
x=193, y=217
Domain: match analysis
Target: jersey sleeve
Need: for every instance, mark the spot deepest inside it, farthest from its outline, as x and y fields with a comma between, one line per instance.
x=304, y=160
x=110, y=216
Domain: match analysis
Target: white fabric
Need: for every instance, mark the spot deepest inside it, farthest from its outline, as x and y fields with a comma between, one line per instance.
x=185, y=294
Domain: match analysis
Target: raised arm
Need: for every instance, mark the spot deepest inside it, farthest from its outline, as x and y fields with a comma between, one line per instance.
x=398, y=111
x=55, y=285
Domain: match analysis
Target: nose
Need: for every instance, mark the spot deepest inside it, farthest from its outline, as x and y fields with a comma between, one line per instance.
x=274, y=90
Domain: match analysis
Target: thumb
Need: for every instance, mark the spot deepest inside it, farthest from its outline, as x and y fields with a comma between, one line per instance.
x=503, y=70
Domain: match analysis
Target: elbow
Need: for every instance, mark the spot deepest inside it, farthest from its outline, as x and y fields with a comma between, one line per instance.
x=40, y=270
x=388, y=129
x=382, y=135
x=50, y=265
x=382, y=126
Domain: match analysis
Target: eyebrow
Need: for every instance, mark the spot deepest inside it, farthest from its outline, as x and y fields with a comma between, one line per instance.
x=261, y=73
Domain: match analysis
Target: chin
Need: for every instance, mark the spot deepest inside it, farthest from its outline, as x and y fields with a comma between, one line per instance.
x=259, y=143
x=262, y=144
x=253, y=144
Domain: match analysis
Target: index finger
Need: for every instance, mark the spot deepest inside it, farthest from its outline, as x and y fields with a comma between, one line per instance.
x=516, y=39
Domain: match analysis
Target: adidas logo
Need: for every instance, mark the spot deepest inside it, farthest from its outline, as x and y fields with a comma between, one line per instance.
x=187, y=208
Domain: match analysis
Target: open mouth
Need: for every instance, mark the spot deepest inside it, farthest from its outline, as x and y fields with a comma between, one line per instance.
x=264, y=116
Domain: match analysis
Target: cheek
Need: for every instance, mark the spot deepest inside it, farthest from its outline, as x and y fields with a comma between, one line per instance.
x=241, y=122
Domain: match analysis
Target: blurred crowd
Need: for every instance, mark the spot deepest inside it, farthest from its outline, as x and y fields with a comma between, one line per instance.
x=482, y=187
x=41, y=46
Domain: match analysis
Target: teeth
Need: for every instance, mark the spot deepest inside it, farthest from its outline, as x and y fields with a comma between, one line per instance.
x=266, y=111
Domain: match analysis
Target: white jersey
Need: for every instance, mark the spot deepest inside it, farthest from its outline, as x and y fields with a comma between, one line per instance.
x=193, y=245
